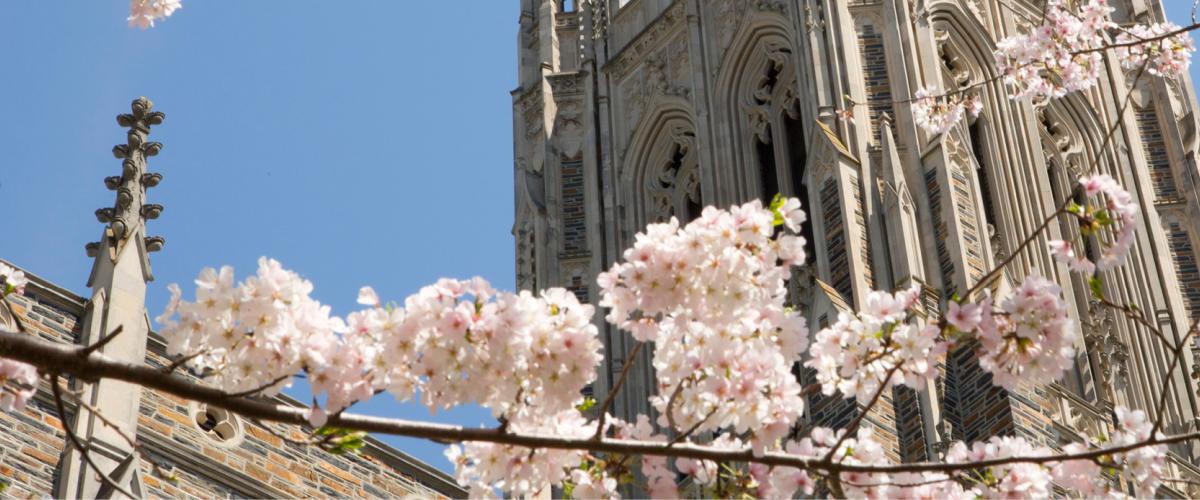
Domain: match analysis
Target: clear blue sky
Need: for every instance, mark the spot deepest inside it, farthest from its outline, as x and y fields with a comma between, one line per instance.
x=359, y=142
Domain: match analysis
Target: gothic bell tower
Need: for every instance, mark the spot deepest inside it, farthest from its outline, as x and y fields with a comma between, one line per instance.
x=118, y=309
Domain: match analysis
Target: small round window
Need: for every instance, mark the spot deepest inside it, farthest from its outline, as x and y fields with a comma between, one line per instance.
x=218, y=424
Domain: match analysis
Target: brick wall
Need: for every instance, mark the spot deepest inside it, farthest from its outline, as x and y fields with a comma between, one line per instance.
x=30, y=448
x=32, y=441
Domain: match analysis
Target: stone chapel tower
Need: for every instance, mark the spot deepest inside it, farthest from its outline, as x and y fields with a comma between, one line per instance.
x=632, y=111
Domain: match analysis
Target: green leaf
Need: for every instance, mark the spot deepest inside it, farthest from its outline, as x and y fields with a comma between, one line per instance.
x=776, y=208
x=1097, y=287
x=587, y=404
x=1103, y=218
x=568, y=489
x=1075, y=208
x=325, y=431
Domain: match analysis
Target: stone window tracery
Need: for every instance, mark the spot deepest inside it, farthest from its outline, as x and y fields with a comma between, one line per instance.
x=673, y=190
x=218, y=424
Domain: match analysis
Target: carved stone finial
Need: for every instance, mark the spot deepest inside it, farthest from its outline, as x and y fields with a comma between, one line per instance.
x=130, y=210
x=155, y=243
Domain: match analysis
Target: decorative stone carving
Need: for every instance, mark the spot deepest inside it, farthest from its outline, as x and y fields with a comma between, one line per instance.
x=728, y=18
x=1110, y=355
x=673, y=188
x=656, y=78
x=568, y=131
x=530, y=107
x=667, y=26
x=128, y=212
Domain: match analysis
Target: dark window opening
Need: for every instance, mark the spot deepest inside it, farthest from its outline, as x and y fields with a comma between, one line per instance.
x=209, y=423
x=768, y=175
x=985, y=190
x=797, y=154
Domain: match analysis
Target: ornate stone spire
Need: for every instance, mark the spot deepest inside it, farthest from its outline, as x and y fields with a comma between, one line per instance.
x=117, y=306
x=129, y=213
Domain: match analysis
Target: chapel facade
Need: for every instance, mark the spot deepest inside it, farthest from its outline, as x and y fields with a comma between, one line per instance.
x=630, y=112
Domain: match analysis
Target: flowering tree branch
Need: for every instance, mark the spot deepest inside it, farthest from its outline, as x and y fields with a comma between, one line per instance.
x=68, y=360
x=709, y=297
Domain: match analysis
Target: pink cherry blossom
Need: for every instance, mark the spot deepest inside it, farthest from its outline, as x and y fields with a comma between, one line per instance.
x=367, y=297
x=1059, y=56
x=1017, y=480
x=710, y=296
x=12, y=281
x=1030, y=338
x=937, y=114
x=143, y=13
x=1169, y=56
x=1063, y=251
x=860, y=354
x=964, y=317
x=1121, y=210
x=18, y=383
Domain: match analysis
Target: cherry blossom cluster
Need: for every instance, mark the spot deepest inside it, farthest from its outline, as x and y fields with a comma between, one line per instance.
x=518, y=471
x=1119, y=214
x=1016, y=480
x=862, y=449
x=18, y=381
x=255, y=334
x=1163, y=55
x=660, y=478
x=143, y=13
x=455, y=341
x=1058, y=57
x=710, y=296
x=1030, y=338
x=938, y=113
x=452, y=342
x=876, y=348
x=1144, y=467
x=525, y=357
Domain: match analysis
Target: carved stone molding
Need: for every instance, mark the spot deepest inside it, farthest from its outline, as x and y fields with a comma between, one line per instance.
x=648, y=41
x=566, y=84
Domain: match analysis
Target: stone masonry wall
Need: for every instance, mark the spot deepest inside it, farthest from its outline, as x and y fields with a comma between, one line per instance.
x=31, y=442
x=260, y=456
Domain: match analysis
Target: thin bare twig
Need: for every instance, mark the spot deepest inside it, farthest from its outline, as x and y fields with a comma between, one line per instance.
x=612, y=393
x=183, y=360
x=74, y=440
x=862, y=414
x=692, y=429
x=256, y=390
x=103, y=341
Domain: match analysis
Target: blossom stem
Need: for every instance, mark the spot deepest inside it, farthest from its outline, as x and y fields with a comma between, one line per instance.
x=612, y=393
